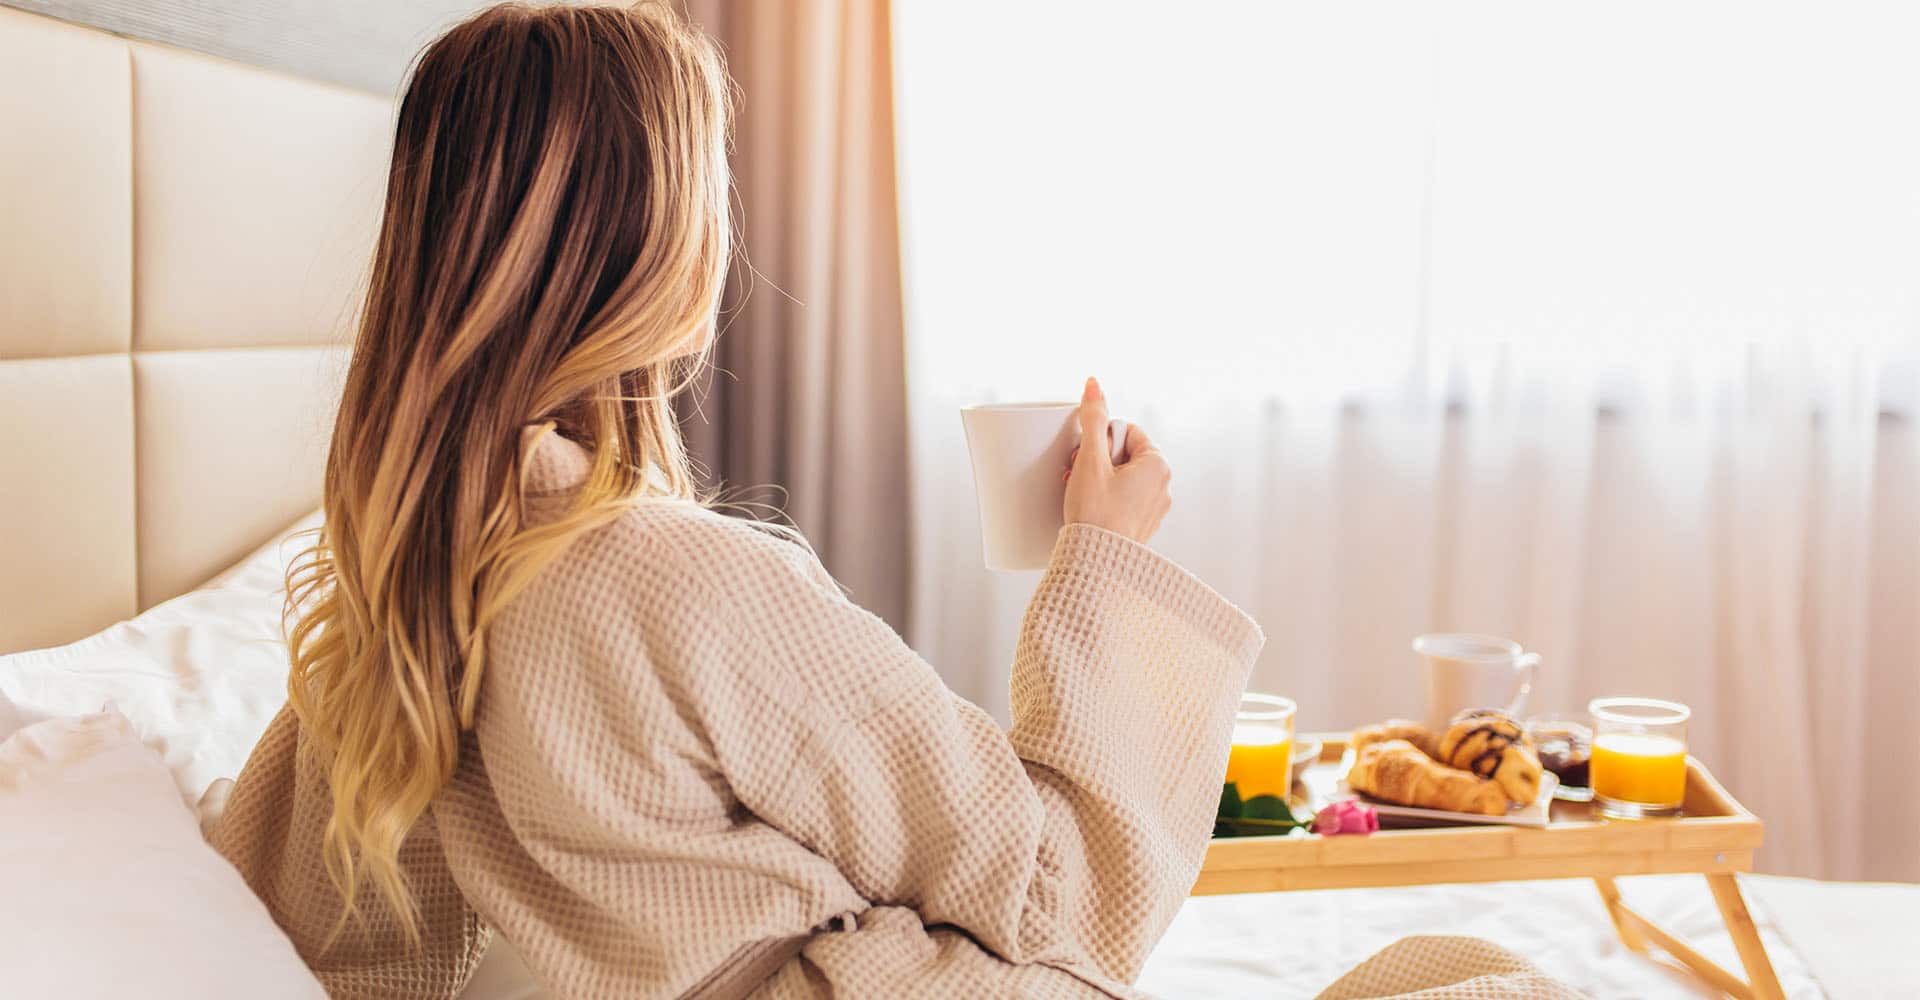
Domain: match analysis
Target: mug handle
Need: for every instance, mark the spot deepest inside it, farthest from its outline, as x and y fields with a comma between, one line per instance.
x=1117, y=439
x=1524, y=666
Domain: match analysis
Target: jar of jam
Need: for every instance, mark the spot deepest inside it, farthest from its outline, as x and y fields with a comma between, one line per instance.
x=1565, y=746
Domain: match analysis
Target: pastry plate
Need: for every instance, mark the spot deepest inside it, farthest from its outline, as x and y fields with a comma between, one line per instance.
x=1396, y=817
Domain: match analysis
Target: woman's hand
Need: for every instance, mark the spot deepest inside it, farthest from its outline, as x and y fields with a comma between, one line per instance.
x=1129, y=498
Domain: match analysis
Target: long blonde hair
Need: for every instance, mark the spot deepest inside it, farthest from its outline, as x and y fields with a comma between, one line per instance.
x=552, y=253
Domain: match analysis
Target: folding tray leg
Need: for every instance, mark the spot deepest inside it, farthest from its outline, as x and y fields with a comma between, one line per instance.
x=1746, y=937
x=1629, y=934
x=1638, y=933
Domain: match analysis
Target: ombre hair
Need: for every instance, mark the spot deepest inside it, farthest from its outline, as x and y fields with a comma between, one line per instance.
x=552, y=253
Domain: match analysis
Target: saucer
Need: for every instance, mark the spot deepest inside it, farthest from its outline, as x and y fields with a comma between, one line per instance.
x=1306, y=753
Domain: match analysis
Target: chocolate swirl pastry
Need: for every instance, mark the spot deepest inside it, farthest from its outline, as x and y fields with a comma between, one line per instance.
x=1493, y=745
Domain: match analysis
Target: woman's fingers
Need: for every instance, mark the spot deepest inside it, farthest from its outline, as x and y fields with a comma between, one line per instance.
x=1130, y=499
x=1137, y=442
x=1150, y=464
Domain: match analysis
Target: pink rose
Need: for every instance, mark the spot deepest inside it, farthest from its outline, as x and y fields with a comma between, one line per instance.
x=1348, y=816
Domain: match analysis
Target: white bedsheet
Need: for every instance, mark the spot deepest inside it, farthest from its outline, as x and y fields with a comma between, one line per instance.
x=1825, y=939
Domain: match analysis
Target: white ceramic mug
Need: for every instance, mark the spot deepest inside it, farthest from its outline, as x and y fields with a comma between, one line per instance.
x=1473, y=671
x=1019, y=451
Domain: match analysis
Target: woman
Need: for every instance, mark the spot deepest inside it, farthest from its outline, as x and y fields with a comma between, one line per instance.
x=538, y=689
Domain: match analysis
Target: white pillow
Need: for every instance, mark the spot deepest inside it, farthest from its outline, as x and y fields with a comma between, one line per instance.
x=109, y=890
x=199, y=677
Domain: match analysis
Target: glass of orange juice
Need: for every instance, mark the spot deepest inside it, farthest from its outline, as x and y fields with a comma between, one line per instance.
x=1639, y=765
x=1261, y=761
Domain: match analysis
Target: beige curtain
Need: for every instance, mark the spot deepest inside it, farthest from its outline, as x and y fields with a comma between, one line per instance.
x=809, y=395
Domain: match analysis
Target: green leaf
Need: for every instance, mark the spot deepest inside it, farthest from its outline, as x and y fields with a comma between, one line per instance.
x=1267, y=807
x=1253, y=827
x=1230, y=800
x=1260, y=816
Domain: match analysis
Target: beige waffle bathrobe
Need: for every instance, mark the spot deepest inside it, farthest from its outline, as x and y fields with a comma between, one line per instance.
x=692, y=749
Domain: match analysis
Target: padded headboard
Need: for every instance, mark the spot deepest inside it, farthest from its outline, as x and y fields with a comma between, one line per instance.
x=183, y=242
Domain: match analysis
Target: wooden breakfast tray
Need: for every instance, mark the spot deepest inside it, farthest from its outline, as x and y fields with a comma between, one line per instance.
x=1714, y=836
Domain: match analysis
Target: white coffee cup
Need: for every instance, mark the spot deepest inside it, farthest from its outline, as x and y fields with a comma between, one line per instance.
x=1473, y=671
x=1019, y=452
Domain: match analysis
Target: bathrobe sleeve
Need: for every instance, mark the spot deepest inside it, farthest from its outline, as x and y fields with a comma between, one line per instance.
x=1070, y=840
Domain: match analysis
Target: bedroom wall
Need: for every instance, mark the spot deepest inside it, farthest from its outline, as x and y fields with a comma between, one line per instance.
x=364, y=44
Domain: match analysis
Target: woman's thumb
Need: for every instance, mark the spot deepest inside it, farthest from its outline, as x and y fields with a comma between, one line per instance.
x=1093, y=424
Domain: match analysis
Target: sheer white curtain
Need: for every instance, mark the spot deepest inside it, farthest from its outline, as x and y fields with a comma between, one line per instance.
x=1591, y=326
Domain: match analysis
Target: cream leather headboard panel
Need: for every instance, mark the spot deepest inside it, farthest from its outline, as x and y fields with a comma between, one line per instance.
x=182, y=244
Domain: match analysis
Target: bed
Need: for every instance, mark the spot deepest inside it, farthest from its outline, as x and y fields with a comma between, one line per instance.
x=181, y=242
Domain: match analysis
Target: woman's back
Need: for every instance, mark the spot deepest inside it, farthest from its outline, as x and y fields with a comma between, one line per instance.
x=693, y=757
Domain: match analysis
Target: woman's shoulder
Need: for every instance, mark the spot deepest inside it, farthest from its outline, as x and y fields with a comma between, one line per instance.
x=663, y=577
x=705, y=536
x=685, y=545
x=658, y=534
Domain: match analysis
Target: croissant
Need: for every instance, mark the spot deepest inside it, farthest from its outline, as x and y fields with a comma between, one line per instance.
x=1396, y=771
x=1424, y=739
x=1490, y=744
